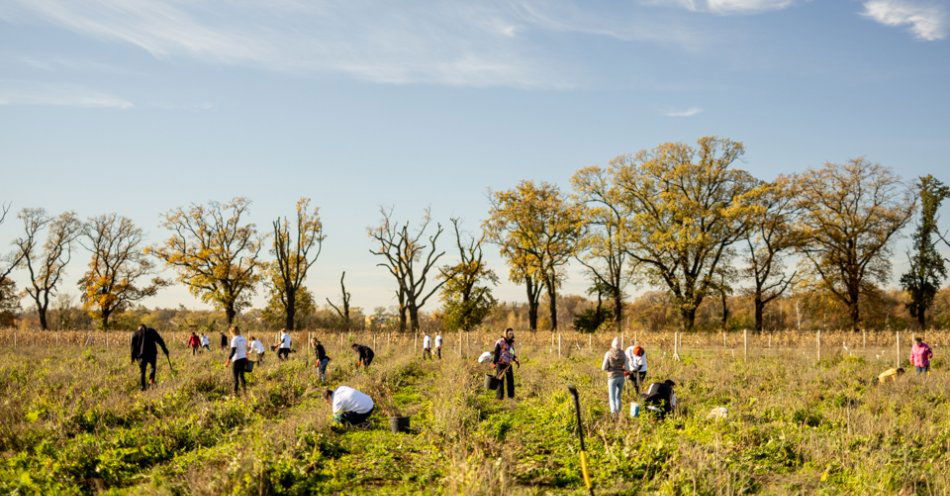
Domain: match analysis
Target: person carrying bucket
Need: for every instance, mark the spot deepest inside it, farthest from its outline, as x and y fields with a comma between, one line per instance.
x=615, y=364
x=503, y=358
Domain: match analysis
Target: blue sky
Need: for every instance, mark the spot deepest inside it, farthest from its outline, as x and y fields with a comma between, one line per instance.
x=144, y=105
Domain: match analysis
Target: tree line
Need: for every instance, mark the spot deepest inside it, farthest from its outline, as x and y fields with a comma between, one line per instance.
x=679, y=217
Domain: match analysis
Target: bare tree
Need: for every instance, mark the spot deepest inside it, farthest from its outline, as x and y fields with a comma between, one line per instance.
x=409, y=256
x=118, y=262
x=12, y=261
x=46, y=268
x=295, y=256
x=344, y=309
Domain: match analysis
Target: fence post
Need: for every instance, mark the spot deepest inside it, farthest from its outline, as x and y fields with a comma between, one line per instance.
x=676, y=341
x=559, y=345
x=745, y=344
x=818, y=340
x=864, y=339
x=897, y=350
x=590, y=342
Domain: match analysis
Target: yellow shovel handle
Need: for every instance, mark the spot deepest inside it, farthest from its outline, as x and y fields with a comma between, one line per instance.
x=584, y=469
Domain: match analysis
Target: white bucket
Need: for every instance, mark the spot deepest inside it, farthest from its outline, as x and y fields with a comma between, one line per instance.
x=634, y=409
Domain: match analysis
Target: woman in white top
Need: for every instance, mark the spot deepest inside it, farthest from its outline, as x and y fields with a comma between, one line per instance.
x=258, y=348
x=426, y=346
x=283, y=351
x=637, y=365
x=238, y=358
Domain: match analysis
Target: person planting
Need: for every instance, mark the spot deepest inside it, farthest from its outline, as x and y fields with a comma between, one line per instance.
x=660, y=398
x=322, y=359
x=364, y=355
x=257, y=346
x=889, y=375
x=283, y=347
x=636, y=366
x=921, y=355
x=615, y=364
x=145, y=343
x=349, y=405
x=503, y=357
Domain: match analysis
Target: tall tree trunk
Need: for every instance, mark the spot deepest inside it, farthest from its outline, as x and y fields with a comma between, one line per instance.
x=532, y=305
x=402, y=318
x=104, y=320
x=725, y=309
x=290, y=311
x=759, y=310
x=853, y=307
x=552, y=303
x=43, y=324
x=618, y=308
x=230, y=313
x=413, y=317
x=688, y=314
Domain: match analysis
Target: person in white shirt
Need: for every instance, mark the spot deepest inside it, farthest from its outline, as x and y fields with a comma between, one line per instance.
x=426, y=347
x=349, y=405
x=636, y=366
x=238, y=358
x=258, y=348
x=283, y=350
x=205, y=342
x=438, y=345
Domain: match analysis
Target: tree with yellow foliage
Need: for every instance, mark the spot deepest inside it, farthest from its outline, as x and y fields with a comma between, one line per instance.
x=850, y=214
x=537, y=229
x=215, y=255
x=294, y=257
x=118, y=262
x=688, y=205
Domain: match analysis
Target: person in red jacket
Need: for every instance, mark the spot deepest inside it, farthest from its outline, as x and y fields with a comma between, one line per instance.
x=194, y=343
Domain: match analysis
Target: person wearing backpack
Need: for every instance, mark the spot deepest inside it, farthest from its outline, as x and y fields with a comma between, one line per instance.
x=615, y=364
x=145, y=343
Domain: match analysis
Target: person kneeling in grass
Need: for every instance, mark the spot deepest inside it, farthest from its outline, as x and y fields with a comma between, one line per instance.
x=660, y=398
x=889, y=375
x=349, y=405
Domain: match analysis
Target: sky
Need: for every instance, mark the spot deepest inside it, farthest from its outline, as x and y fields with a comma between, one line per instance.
x=141, y=106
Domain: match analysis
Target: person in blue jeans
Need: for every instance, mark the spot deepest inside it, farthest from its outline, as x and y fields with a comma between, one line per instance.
x=615, y=364
x=322, y=359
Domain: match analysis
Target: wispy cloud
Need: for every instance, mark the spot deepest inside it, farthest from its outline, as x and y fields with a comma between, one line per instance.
x=454, y=42
x=928, y=21
x=726, y=6
x=57, y=95
x=684, y=113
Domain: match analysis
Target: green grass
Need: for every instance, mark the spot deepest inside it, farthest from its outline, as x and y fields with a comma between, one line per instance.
x=74, y=422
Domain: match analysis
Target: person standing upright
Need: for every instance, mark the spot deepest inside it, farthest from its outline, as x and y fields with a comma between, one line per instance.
x=194, y=343
x=503, y=358
x=145, y=343
x=615, y=364
x=426, y=347
x=920, y=356
x=283, y=347
x=322, y=359
x=438, y=345
x=224, y=341
x=237, y=359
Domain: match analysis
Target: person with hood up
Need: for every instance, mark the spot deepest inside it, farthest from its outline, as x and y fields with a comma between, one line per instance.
x=615, y=364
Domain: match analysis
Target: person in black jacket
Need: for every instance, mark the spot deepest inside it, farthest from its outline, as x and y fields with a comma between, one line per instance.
x=660, y=398
x=322, y=359
x=145, y=342
x=365, y=355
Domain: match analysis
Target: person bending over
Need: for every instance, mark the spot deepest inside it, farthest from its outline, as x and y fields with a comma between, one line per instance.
x=349, y=405
x=660, y=398
x=283, y=349
x=364, y=355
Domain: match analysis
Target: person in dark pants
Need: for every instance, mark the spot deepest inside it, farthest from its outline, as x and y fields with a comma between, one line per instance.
x=322, y=359
x=503, y=359
x=660, y=398
x=194, y=343
x=145, y=343
x=238, y=359
x=365, y=355
x=224, y=341
x=349, y=405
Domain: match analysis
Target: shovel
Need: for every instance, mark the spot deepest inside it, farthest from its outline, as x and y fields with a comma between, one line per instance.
x=174, y=374
x=580, y=433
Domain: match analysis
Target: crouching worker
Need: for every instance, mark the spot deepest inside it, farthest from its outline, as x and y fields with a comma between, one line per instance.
x=889, y=375
x=660, y=398
x=349, y=405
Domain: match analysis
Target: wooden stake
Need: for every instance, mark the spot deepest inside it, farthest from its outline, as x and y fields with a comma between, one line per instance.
x=559, y=345
x=676, y=340
x=818, y=341
x=897, y=350
x=745, y=344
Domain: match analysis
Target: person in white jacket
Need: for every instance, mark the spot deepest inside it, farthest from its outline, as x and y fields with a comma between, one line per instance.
x=426, y=347
x=349, y=405
x=636, y=366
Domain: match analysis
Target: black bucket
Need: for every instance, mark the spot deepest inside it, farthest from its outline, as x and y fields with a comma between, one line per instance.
x=399, y=424
x=491, y=382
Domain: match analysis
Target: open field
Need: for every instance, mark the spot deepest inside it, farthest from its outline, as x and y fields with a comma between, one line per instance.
x=73, y=420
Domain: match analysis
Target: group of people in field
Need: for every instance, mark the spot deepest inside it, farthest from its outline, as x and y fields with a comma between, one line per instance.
x=354, y=407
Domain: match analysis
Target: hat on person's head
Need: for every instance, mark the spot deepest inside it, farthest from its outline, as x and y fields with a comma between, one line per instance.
x=638, y=350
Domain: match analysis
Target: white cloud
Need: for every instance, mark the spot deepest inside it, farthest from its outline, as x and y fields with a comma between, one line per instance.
x=456, y=42
x=684, y=113
x=928, y=21
x=726, y=6
x=57, y=95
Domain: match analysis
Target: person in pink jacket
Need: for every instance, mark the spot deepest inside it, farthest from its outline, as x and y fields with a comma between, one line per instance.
x=920, y=356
